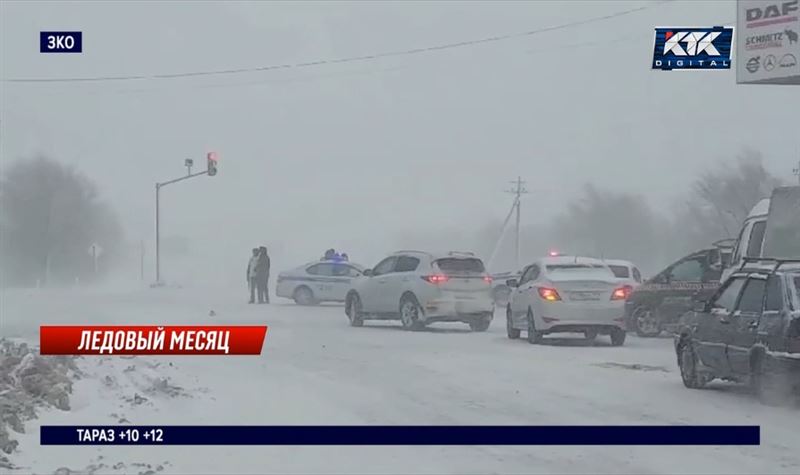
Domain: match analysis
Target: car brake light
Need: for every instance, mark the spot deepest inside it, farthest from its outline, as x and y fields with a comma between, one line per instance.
x=436, y=278
x=551, y=295
x=487, y=279
x=621, y=293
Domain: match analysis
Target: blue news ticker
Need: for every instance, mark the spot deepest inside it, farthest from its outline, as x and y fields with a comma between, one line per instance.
x=60, y=42
x=401, y=435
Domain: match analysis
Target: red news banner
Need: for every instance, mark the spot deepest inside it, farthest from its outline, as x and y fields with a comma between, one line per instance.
x=151, y=340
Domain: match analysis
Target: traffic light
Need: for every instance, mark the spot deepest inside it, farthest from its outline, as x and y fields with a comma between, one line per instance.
x=211, y=158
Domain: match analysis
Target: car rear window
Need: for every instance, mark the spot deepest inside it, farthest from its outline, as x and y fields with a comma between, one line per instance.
x=620, y=272
x=552, y=267
x=584, y=270
x=460, y=265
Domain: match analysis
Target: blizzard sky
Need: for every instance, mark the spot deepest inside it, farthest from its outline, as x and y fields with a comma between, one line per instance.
x=353, y=155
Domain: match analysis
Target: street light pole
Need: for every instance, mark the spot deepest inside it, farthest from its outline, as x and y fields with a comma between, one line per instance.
x=158, y=223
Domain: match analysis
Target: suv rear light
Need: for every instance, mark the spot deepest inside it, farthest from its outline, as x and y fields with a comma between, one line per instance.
x=487, y=279
x=621, y=293
x=435, y=278
x=551, y=295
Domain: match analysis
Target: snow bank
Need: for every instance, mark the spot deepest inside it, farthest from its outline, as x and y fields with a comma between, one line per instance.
x=27, y=382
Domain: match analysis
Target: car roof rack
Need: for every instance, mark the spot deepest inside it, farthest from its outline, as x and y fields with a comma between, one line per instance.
x=778, y=262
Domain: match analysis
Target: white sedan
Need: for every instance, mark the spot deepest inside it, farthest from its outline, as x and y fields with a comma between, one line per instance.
x=319, y=281
x=567, y=294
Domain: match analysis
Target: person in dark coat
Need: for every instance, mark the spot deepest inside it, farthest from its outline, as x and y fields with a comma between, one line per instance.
x=329, y=254
x=251, y=274
x=262, y=275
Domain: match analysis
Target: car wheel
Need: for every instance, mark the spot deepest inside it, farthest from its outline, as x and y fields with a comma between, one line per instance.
x=772, y=389
x=304, y=296
x=646, y=322
x=513, y=333
x=410, y=312
x=687, y=361
x=482, y=323
x=617, y=337
x=534, y=336
x=354, y=311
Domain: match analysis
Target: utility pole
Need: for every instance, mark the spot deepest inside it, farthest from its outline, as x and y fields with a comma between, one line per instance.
x=211, y=160
x=797, y=172
x=518, y=191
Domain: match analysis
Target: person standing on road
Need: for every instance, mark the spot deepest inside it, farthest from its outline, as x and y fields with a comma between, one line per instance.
x=251, y=274
x=262, y=275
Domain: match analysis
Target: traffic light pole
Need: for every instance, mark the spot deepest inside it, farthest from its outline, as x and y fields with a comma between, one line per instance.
x=158, y=217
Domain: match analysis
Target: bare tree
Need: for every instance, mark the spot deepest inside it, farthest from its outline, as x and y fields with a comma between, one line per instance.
x=49, y=216
x=608, y=224
x=720, y=199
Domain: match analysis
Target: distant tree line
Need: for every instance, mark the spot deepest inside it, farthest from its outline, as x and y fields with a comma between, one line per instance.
x=621, y=225
x=50, y=215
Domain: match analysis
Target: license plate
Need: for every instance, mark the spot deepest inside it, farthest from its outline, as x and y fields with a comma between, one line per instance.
x=584, y=296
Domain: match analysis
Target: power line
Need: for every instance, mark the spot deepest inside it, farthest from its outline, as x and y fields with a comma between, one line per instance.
x=350, y=59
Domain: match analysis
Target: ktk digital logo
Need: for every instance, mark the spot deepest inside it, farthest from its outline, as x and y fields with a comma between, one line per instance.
x=693, y=48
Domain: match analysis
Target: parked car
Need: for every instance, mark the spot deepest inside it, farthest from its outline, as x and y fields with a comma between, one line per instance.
x=657, y=304
x=318, y=281
x=626, y=272
x=567, y=294
x=772, y=229
x=751, y=237
x=501, y=291
x=419, y=288
x=749, y=330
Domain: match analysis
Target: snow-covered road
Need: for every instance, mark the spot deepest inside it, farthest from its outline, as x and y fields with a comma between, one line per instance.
x=315, y=369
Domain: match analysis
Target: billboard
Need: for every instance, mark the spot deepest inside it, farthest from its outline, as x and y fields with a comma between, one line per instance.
x=767, y=46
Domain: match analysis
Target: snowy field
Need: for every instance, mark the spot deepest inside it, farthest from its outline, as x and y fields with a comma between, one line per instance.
x=315, y=369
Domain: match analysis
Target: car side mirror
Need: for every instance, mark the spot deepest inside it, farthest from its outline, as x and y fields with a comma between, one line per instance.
x=512, y=283
x=367, y=272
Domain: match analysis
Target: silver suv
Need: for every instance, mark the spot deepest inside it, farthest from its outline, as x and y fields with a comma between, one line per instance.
x=419, y=288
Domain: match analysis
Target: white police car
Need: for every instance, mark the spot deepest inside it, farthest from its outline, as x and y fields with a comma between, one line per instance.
x=318, y=281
